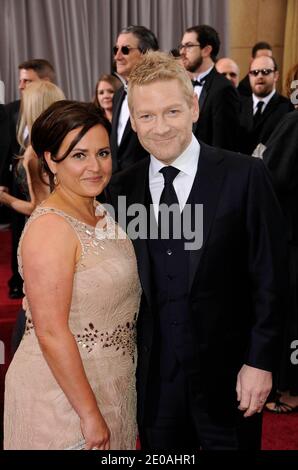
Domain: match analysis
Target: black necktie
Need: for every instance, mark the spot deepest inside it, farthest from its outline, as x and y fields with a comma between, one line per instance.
x=168, y=195
x=258, y=113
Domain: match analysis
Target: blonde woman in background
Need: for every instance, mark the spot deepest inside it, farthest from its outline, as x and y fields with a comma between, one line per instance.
x=36, y=98
x=105, y=89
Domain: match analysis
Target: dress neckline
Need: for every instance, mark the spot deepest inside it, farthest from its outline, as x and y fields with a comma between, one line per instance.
x=70, y=216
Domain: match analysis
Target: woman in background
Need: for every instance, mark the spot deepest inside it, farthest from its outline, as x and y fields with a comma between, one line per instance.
x=36, y=98
x=105, y=89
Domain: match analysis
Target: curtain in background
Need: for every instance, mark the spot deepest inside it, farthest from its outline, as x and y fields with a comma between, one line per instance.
x=77, y=36
x=290, y=57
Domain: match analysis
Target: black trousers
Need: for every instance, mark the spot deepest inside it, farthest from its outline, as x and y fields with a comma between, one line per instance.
x=178, y=421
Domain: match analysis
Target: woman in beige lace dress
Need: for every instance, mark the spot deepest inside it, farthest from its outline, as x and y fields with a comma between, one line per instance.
x=71, y=383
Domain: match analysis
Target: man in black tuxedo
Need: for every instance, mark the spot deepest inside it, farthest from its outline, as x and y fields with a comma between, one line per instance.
x=263, y=110
x=131, y=44
x=29, y=71
x=210, y=312
x=259, y=49
x=219, y=101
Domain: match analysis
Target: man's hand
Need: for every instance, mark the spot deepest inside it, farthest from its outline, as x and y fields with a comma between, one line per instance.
x=253, y=387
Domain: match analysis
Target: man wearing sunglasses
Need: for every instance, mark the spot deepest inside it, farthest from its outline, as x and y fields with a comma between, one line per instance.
x=261, y=113
x=259, y=49
x=219, y=102
x=131, y=44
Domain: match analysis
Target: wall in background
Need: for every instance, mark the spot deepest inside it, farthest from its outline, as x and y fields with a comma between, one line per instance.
x=77, y=36
x=253, y=21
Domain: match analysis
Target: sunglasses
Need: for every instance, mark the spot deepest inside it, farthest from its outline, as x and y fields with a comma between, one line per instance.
x=125, y=50
x=263, y=72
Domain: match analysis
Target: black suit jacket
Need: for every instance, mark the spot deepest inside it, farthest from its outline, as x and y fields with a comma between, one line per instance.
x=219, y=104
x=250, y=135
x=12, y=149
x=244, y=87
x=130, y=150
x=236, y=280
x=281, y=158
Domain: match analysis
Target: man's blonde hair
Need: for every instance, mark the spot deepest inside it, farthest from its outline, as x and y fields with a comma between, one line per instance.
x=159, y=66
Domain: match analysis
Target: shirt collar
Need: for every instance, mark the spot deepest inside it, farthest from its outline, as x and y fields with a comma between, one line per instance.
x=202, y=75
x=186, y=162
x=265, y=100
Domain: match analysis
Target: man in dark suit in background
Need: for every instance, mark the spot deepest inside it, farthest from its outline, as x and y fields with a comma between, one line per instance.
x=132, y=42
x=210, y=313
x=219, y=103
x=261, y=112
x=229, y=69
x=259, y=49
x=29, y=71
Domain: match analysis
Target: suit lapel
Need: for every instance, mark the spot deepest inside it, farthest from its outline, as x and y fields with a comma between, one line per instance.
x=202, y=97
x=117, y=103
x=247, y=114
x=271, y=106
x=206, y=190
x=207, y=84
x=128, y=129
x=117, y=108
x=139, y=196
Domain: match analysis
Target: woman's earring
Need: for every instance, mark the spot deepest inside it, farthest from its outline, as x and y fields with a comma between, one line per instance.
x=55, y=179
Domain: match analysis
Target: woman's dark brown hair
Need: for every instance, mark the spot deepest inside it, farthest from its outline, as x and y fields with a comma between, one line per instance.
x=112, y=80
x=53, y=125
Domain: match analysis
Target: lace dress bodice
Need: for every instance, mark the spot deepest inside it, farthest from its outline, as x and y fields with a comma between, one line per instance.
x=102, y=319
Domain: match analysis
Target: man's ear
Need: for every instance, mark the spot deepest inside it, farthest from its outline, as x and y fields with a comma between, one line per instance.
x=195, y=108
x=206, y=51
x=276, y=76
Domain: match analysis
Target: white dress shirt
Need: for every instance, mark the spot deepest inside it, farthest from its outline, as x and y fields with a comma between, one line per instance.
x=265, y=100
x=123, y=118
x=187, y=163
x=198, y=88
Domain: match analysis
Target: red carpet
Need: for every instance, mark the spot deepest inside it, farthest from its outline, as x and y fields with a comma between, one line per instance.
x=280, y=432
